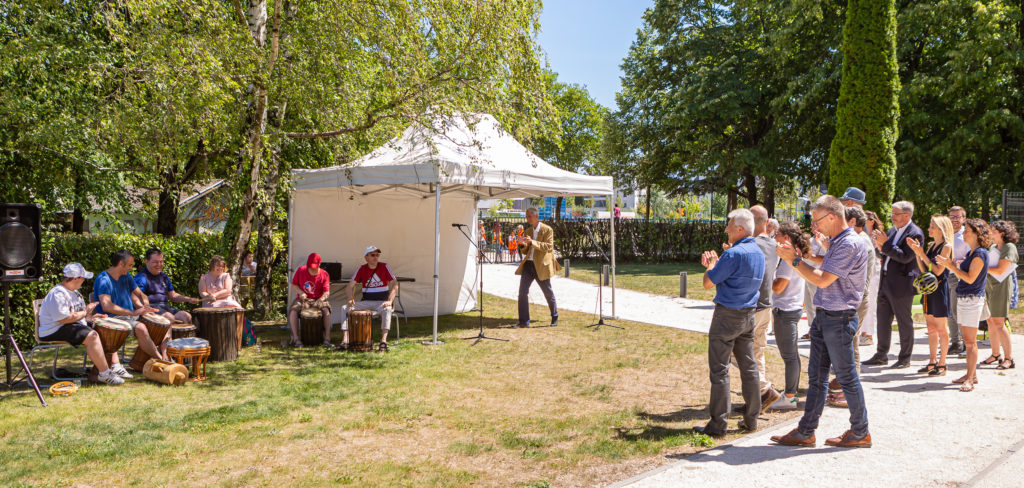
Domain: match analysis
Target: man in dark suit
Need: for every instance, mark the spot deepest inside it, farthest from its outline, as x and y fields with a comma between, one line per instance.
x=895, y=286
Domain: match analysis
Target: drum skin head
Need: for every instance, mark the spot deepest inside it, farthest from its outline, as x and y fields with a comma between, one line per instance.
x=188, y=343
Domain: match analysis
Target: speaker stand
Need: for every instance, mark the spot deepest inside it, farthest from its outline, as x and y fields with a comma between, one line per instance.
x=8, y=338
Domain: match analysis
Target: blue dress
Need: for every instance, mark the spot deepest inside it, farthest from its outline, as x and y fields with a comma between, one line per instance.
x=937, y=303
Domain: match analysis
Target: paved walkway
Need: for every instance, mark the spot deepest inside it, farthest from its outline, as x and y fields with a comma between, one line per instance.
x=925, y=433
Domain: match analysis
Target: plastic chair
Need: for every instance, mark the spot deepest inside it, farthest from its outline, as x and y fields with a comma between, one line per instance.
x=44, y=345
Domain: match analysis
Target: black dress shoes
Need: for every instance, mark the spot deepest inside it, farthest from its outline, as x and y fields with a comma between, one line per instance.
x=876, y=360
x=710, y=433
x=901, y=365
x=955, y=348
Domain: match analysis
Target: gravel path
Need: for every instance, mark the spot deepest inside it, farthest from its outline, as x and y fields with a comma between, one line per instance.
x=924, y=431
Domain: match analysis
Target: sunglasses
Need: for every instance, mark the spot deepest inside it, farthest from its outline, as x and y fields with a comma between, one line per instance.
x=374, y=254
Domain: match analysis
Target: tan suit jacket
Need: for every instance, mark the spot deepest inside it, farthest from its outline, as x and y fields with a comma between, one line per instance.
x=543, y=252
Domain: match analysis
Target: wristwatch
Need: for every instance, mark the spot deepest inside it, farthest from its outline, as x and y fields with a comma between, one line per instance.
x=796, y=262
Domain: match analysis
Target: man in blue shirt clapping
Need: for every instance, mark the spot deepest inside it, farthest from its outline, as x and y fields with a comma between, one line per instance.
x=737, y=274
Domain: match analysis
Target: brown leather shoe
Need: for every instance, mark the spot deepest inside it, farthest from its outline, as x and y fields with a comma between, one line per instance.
x=848, y=439
x=834, y=385
x=794, y=438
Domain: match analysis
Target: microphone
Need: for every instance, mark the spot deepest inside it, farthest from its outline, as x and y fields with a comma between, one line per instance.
x=459, y=225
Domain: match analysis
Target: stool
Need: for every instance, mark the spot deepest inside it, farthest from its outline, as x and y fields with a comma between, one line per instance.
x=194, y=348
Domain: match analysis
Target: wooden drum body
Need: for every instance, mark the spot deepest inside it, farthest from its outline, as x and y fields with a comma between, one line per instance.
x=113, y=332
x=311, y=326
x=158, y=326
x=222, y=327
x=360, y=332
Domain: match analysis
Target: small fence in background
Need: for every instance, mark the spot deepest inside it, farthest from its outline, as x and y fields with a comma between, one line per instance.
x=636, y=240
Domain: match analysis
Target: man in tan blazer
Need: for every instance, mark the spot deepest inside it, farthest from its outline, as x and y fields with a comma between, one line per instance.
x=538, y=248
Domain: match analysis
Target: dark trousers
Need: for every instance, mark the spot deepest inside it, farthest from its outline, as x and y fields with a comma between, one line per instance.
x=786, y=336
x=525, y=281
x=832, y=336
x=732, y=333
x=954, y=327
x=891, y=305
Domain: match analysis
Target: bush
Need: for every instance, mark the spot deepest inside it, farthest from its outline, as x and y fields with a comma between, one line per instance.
x=186, y=257
x=635, y=240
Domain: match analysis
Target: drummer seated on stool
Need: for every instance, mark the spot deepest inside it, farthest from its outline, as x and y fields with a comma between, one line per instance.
x=64, y=315
x=120, y=297
x=379, y=289
x=215, y=286
x=313, y=287
x=158, y=288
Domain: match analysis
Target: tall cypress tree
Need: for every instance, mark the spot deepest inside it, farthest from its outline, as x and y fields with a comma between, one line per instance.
x=863, y=152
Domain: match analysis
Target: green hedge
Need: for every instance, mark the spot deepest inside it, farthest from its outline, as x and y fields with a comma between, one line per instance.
x=186, y=259
x=635, y=240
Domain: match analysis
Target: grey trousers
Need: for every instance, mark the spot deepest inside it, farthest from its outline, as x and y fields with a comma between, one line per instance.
x=732, y=332
x=954, y=327
x=786, y=336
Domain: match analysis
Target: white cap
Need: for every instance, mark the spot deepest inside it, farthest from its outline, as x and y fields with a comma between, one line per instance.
x=76, y=270
x=370, y=249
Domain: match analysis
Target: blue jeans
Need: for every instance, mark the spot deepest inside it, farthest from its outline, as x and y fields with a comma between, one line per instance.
x=832, y=339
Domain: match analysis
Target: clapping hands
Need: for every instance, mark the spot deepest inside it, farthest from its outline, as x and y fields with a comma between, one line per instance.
x=709, y=259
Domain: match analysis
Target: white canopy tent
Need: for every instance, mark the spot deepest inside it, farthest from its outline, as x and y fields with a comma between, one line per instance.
x=385, y=199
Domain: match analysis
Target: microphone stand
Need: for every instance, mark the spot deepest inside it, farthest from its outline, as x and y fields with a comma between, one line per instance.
x=481, y=256
x=600, y=286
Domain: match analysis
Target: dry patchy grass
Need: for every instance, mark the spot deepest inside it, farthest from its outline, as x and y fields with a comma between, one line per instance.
x=563, y=406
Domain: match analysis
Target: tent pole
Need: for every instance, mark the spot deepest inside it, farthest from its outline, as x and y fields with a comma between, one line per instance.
x=437, y=252
x=611, y=225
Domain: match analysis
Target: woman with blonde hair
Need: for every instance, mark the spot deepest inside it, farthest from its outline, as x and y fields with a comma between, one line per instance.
x=970, y=293
x=936, y=303
x=999, y=289
x=215, y=286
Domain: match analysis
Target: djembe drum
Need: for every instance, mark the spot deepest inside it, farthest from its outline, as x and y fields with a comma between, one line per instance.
x=360, y=332
x=193, y=348
x=113, y=332
x=311, y=326
x=222, y=326
x=181, y=329
x=158, y=326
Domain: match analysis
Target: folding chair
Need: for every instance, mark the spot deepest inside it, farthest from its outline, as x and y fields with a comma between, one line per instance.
x=44, y=345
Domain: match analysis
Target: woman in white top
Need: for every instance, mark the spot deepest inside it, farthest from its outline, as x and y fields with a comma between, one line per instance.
x=215, y=286
x=788, y=300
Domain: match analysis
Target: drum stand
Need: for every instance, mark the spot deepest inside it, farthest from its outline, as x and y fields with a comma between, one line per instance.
x=8, y=340
x=480, y=297
x=600, y=287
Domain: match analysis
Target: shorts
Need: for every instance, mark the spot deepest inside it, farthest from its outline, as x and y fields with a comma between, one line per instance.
x=298, y=305
x=164, y=307
x=970, y=310
x=73, y=333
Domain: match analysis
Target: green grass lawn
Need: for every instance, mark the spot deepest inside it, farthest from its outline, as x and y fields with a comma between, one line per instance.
x=563, y=406
x=660, y=279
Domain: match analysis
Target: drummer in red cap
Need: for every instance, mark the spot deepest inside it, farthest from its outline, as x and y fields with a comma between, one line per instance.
x=312, y=286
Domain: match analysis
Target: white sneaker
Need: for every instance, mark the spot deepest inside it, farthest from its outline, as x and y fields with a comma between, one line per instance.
x=120, y=371
x=110, y=378
x=784, y=403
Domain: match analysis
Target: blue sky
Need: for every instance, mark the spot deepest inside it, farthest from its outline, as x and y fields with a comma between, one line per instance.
x=585, y=41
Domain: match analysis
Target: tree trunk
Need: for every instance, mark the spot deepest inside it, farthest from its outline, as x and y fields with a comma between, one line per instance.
x=751, y=183
x=648, y=203
x=730, y=203
x=263, y=298
x=167, y=204
x=77, y=217
x=558, y=209
x=769, y=197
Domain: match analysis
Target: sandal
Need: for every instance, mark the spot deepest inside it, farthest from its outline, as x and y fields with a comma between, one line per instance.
x=963, y=379
x=991, y=360
x=806, y=337
x=940, y=370
x=967, y=386
x=383, y=347
x=341, y=347
x=295, y=343
x=928, y=368
x=1004, y=365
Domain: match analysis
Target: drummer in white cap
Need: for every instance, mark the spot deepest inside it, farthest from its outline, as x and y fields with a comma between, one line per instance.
x=379, y=289
x=64, y=317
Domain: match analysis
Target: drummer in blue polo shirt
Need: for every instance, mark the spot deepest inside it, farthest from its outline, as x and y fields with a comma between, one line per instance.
x=737, y=274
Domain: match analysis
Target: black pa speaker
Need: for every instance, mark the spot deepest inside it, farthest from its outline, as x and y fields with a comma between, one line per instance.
x=21, y=256
x=333, y=270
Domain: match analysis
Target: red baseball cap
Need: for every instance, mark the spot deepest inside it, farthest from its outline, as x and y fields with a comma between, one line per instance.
x=313, y=261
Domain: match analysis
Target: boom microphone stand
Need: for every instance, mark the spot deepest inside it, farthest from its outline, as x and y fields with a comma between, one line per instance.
x=8, y=338
x=600, y=286
x=480, y=305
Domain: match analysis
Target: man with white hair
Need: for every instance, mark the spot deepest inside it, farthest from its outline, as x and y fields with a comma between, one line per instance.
x=896, y=285
x=763, y=311
x=737, y=276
